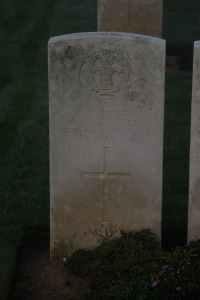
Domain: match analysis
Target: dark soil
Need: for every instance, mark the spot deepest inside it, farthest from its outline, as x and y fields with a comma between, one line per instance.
x=39, y=279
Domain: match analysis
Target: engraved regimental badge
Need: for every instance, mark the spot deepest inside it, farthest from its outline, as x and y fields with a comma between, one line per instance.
x=105, y=73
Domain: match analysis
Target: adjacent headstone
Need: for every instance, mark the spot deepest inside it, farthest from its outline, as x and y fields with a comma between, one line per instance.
x=106, y=136
x=194, y=187
x=136, y=16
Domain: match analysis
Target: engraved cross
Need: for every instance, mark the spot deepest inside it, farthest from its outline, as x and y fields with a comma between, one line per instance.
x=104, y=175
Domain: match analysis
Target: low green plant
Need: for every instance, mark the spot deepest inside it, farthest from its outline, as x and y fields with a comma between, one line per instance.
x=134, y=266
x=179, y=275
x=122, y=268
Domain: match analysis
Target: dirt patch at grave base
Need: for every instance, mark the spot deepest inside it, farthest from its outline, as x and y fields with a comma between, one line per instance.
x=39, y=279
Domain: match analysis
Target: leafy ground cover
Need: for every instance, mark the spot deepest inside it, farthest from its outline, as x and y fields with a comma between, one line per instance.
x=25, y=28
x=133, y=266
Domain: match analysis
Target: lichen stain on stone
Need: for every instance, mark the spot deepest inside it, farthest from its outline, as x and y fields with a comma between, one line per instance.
x=74, y=213
x=77, y=213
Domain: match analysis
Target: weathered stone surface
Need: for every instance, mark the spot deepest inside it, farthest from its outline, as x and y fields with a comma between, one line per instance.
x=136, y=16
x=106, y=136
x=194, y=187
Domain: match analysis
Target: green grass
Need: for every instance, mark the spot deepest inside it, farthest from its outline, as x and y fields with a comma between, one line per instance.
x=176, y=157
x=25, y=27
x=24, y=188
x=181, y=22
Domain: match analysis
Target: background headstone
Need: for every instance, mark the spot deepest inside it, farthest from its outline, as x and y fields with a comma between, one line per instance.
x=136, y=16
x=194, y=187
x=106, y=136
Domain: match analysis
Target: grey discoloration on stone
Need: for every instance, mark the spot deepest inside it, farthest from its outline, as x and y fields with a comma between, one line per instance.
x=106, y=139
x=194, y=188
x=136, y=16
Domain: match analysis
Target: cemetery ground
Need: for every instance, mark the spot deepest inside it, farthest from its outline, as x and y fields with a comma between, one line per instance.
x=24, y=194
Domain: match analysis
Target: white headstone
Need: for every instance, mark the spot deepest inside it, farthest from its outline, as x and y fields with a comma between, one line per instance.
x=194, y=187
x=106, y=136
x=136, y=16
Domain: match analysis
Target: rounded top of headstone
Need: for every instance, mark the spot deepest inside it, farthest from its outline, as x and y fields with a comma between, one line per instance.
x=107, y=35
x=197, y=44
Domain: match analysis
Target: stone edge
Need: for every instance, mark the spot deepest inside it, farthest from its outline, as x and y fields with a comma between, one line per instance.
x=196, y=46
x=104, y=34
